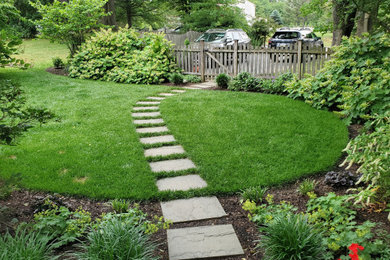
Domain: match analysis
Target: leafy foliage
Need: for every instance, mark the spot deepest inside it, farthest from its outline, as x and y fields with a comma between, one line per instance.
x=244, y=81
x=340, y=179
x=70, y=22
x=275, y=15
x=259, y=31
x=9, y=39
x=371, y=150
x=213, y=14
x=176, y=78
x=292, y=237
x=124, y=57
x=61, y=224
x=192, y=79
x=254, y=194
x=58, y=63
x=120, y=206
x=15, y=116
x=307, y=186
x=355, y=81
x=117, y=239
x=25, y=245
x=222, y=80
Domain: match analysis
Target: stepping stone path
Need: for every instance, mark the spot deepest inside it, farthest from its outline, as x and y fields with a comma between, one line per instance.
x=183, y=243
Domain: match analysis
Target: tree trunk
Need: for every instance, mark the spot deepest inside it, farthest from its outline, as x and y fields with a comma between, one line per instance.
x=337, y=23
x=373, y=18
x=361, y=25
x=129, y=15
x=111, y=19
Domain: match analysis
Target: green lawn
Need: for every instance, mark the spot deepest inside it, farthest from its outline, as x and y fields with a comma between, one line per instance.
x=236, y=139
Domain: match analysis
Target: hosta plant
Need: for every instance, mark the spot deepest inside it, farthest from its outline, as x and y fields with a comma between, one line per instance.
x=124, y=56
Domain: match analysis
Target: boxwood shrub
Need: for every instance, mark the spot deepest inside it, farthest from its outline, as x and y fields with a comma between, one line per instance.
x=125, y=57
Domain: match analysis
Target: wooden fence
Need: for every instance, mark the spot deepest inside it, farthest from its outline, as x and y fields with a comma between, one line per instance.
x=264, y=62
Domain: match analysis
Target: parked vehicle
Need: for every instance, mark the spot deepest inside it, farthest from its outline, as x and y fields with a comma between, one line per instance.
x=222, y=38
x=287, y=37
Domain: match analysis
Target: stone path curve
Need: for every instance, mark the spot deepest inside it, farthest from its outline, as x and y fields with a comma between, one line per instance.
x=183, y=243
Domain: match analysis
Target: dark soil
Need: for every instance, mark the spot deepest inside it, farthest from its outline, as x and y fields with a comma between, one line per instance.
x=61, y=72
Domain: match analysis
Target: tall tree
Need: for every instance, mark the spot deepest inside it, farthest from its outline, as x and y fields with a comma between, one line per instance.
x=138, y=12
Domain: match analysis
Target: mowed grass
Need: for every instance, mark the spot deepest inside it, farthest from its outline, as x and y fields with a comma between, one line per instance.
x=93, y=150
x=240, y=140
x=237, y=140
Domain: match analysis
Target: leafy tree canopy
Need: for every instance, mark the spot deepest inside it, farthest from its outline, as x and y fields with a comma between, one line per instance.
x=70, y=22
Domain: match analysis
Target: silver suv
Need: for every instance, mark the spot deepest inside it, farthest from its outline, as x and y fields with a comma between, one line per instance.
x=222, y=38
x=285, y=37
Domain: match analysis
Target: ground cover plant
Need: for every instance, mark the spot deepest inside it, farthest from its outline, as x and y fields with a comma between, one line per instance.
x=124, y=56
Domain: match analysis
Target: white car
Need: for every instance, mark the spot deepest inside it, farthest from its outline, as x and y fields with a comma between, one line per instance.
x=222, y=38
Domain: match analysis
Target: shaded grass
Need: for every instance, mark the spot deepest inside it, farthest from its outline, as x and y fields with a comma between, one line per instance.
x=239, y=140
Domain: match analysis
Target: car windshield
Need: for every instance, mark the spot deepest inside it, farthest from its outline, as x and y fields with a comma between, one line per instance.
x=210, y=37
x=286, y=35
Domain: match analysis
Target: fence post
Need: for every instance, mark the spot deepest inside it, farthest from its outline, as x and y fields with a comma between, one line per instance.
x=202, y=61
x=299, y=47
x=235, y=58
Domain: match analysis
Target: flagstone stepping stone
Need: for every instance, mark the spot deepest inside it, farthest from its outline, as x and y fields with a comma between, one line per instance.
x=164, y=151
x=158, y=139
x=145, y=108
x=191, y=88
x=142, y=114
x=148, y=102
x=172, y=165
x=156, y=98
x=192, y=209
x=148, y=121
x=166, y=94
x=183, y=183
x=178, y=91
x=157, y=129
x=203, y=242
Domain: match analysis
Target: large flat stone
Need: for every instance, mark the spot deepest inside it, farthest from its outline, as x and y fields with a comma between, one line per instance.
x=156, y=98
x=164, y=151
x=183, y=183
x=178, y=91
x=148, y=121
x=148, y=130
x=166, y=94
x=145, y=108
x=203, y=242
x=144, y=114
x=148, y=102
x=172, y=165
x=192, y=209
x=158, y=139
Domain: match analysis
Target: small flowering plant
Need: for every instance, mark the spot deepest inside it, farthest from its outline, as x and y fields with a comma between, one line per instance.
x=354, y=248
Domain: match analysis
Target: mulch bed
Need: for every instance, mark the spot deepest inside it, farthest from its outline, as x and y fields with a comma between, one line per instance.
x=61, y=72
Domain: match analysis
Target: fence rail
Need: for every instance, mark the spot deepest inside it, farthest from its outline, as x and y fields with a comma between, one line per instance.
x=208, y=62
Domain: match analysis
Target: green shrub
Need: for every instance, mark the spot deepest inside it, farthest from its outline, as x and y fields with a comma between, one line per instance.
x=15, y=116
x=25, y=245
x=176, y=78
x=58, y=63
x=117, y=239
x=192, y=79
x=223, y=80
x=371, y=150
x=120, y=206
x=307, y=186
x=61, y=224
x=244, y=81
x=292, y=237
x=255, y=194
x=123, y=56
x=354, y=81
